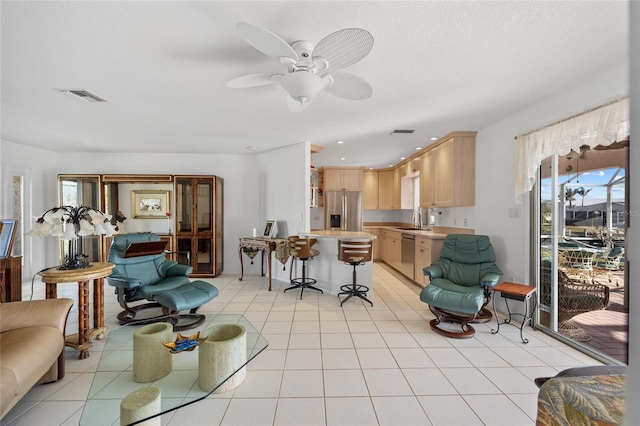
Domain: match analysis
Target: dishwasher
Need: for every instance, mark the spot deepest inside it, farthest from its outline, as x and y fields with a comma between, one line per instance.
x=407, y=255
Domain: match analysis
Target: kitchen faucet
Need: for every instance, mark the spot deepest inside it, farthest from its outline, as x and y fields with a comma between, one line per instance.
x=417, y=218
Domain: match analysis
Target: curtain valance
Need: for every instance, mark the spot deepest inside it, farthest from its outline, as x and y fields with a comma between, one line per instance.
x=600, y=126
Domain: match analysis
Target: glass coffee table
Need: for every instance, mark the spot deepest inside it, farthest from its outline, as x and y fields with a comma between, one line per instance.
x=113, y=379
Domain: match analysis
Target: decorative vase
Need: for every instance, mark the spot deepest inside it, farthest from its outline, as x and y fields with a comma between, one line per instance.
x=151, y=360
x=223, y=353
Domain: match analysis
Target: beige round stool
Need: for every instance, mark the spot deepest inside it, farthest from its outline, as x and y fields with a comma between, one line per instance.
x=224, y=352
x=139, y=405
x=151, y=359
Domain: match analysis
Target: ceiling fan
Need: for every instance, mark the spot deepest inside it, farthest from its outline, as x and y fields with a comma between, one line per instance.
x=310, y=69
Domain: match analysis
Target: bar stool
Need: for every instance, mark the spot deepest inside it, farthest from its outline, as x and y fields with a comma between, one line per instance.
x=300, y=249
x=354, y=253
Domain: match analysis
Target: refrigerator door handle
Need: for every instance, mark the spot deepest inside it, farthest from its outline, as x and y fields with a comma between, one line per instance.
x=344, y=212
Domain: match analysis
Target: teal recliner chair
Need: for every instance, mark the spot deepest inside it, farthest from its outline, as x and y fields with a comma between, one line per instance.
x=460, y=284
x=160, y=282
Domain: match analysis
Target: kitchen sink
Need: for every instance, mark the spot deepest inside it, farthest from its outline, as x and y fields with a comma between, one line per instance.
x=412, y=229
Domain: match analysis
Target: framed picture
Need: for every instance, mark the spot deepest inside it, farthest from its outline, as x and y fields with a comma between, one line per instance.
x=270, y=229
x=150, y=204
x=7, y=235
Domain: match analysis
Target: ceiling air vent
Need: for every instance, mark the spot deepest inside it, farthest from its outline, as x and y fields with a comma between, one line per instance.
x=82, y=95
x=401, y=131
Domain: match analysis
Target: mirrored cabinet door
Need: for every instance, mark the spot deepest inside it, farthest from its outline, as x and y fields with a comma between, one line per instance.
x=76, y=191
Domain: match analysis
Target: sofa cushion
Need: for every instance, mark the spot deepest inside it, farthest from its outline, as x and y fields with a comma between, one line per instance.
x=22, y=351
x=8, y=387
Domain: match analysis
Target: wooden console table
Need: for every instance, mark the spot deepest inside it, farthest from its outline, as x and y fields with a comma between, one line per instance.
x=96, y=272
x=11, y=279
x=263, y=245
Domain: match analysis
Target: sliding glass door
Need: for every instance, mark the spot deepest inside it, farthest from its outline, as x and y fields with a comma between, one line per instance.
x=579, y=210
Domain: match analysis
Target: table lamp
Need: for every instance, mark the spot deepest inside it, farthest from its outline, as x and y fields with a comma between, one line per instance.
x=71, y=224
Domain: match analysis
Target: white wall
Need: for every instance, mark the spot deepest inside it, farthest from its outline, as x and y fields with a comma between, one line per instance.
x=39, y=168
x=495, y=154
x=284, y=192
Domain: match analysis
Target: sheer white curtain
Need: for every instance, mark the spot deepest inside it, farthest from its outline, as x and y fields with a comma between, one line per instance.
x=601, y=126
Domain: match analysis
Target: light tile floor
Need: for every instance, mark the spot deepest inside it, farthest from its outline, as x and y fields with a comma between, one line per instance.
x=327, y=365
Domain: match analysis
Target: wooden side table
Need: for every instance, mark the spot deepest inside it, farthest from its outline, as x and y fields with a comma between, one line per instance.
x=96, y=272
x=517, y=292
x=11, y=279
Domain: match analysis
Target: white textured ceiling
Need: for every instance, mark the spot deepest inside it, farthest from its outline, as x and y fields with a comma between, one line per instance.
x=435, y=67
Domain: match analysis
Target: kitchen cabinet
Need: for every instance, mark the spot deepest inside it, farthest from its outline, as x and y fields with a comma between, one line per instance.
x=398, y=174
x=370, y=190
x=427, y=181
x=343, y=179
x=385, y=189
x=426, y=252
x=391, y=241
x=448, y=172
x=198, y=228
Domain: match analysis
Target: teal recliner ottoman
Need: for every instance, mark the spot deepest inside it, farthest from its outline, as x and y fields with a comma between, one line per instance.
x=160, y=282
x=460, y=284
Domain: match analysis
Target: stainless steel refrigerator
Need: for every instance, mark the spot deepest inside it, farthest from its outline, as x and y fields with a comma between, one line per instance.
x=343, y=210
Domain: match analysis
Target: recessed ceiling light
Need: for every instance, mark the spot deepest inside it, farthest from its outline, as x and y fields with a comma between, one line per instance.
x=251, y=148
x=418, y=148
x=390, y=165
x=433, y=138
x=339, y=142
x=343, y=158
x=402, y=158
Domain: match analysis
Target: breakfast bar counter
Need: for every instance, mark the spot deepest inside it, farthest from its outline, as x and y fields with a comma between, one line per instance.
x=331, y=273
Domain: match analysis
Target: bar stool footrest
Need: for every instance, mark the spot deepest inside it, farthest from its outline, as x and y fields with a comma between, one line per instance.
x=349, y=289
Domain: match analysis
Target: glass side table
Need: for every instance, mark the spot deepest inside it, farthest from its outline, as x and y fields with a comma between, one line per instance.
x=113, y=379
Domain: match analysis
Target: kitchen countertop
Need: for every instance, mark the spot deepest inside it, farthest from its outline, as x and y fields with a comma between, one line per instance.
x=421, y=232
x=338, y=234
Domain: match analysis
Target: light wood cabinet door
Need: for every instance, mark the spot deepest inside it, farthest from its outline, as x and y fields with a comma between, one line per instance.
x=448, y=173
x=427, y=181
x=392, y=248
x=397, y=188
x=352, y=179
x=370, y=190
x=427, y=251
x=444, y=174
x=332, y=180
x=385, y=189
x=422, y=260
x=338, y=179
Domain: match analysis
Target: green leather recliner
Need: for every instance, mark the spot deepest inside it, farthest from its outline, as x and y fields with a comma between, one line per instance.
x=162, y=283
x=460, y=283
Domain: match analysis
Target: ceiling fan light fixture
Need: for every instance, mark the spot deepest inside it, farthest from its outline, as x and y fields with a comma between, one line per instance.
x=302, y=85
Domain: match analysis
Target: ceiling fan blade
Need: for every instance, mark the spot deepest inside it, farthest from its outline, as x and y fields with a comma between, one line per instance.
x=295, y=105
x=349, y=86
x=254, y=80
x=344, y=47
x=267, y=42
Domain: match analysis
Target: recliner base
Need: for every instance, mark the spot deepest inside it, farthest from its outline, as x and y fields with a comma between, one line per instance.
x=180, y=321
x=484, y=315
